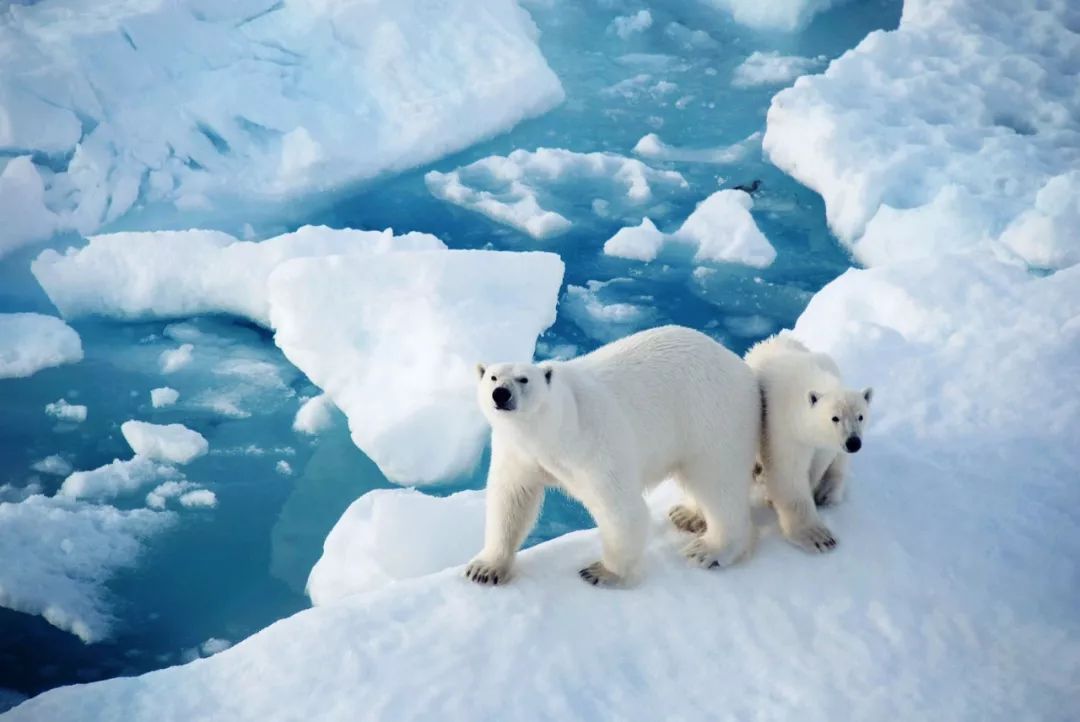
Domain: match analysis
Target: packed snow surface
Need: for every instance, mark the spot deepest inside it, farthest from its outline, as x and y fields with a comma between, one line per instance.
x=173, y=274
x=30, y=342
x=394, y=340
x=961, y=128
x=516, y=189
x=200, y=105
x=58, y=554
x=172, y=443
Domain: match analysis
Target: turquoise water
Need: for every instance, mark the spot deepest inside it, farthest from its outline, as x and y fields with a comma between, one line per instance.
x=229, y=571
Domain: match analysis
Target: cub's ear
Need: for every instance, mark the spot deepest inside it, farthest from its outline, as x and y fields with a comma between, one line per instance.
x=547, y=374
x=868, y=393
x=814, y=396
x=480, y=369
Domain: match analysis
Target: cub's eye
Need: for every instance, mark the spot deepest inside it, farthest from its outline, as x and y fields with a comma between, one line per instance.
x=523, y=380
x=836, y=419
x=860, y=417
x=493, y=378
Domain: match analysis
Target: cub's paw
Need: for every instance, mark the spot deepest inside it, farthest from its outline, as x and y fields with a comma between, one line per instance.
x=482, y=572
x=828, y=494
x=816, y=539
x=686, y=519
x=707, y=556
x=599, y=575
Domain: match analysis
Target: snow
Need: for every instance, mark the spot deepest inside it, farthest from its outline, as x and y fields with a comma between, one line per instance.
x=393, y=340
x=208, y=106
x=54, y=465
x=626, y=26
x=652, y=147
x=509, y=189
x=117, y=478
x=163, y=396
x=314, y=415
x=772, y=68
x=175, y=359
x=58, y=555
x=173, y=443
x=199, y=498
x=375, y=543
x=30, y=342
x=720, y=230
x=63, y=411
x=962, y=128
x=782, y=15
x=174, y=274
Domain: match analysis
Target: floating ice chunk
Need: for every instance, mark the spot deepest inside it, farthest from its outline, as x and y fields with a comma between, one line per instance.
x=117, y=478
x=54, y=465
x=283, y=467
x=627, y=25
x=400, y=363
x=173, y=274
x=199, y=498
x=206, y=105
x=605, y=320
x=175, y=359
x=976, y=150
x=174, y=443
x=22, y=201
x=313, y=416
x=786, y=15
x=375, y=543
x=772, y=68
x=650, y=146
x=63, y=411
x=641, y=243
x=507, y=189
x=58, y=555
x=163, y=396
x=157, y=498
x=720, y=229
x=30, y=342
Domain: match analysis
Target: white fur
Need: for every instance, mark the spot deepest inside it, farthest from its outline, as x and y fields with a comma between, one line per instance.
x=667, y=402
x=809, y=417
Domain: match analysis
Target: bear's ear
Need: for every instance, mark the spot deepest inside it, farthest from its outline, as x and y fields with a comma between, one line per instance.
x=480, y=369
x=867, y=394
x=814, y=397
x=547, y=374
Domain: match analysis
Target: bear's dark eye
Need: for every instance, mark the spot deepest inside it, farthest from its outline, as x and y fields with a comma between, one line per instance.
x=860, y=417
x=523, y=380
x=836, y=419
x=493, y=378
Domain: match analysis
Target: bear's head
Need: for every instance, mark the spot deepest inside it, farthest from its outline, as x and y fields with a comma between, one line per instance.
x=517, y=390
x=837, y=418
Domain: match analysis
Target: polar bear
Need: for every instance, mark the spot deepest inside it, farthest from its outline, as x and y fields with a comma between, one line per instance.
x=810, y=424
x=607, y=426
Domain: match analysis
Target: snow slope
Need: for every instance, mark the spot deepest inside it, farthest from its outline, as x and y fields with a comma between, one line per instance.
x=30, y=342
x=960, y=128
x=394, y=340
x=196, y=103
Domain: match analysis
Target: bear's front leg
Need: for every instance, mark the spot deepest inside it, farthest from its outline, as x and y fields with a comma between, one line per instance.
x=514, y=494
x=830, y=490
x=622, y=518
x=786, y=481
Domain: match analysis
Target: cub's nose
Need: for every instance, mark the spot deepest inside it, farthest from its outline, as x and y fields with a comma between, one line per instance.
x=853, y=444
x=501, y=396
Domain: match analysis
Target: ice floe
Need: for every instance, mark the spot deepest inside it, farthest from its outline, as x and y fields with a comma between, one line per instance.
x=172, y=443
x=30, y=342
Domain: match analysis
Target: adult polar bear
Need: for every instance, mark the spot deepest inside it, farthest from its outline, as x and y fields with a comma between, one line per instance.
x=605, y=427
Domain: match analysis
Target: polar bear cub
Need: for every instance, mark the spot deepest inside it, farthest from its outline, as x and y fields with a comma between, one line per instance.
x=607, y=426
x=810, y=424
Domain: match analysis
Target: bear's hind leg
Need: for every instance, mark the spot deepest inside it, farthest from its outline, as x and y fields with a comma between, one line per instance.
x=724, y=499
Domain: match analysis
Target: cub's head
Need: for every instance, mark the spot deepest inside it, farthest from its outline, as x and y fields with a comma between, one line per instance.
x=512, y=390
x=838, y=418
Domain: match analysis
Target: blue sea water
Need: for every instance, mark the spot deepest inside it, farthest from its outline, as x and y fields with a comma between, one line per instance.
x=229, y=571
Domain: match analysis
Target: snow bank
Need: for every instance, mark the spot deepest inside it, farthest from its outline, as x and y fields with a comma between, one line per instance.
x=313, y=416
x=201, y=105
x=174, y=443
x=59, y=554
x=720, y=230
x=173, y=274
x=650, y=146
x=376, y=541
x=163, y=396
x=393, y=341
x=785, y=15
x=961, y=129
x=772, y=68
x=63, y=411
x=509, y=189
x=30, y=342
x=117, y=478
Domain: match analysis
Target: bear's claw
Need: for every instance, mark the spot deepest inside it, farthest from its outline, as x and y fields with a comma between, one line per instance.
x=597, y=574
x=686, y=519
x=484, y=573
x=709, y=557
x=814, y=539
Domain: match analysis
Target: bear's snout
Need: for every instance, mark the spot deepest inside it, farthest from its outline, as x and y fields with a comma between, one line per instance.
x=853, y=444
x=501, y=396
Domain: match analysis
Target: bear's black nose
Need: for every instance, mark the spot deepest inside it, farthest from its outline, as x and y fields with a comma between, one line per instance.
x=501, y=396
x=853, y=444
